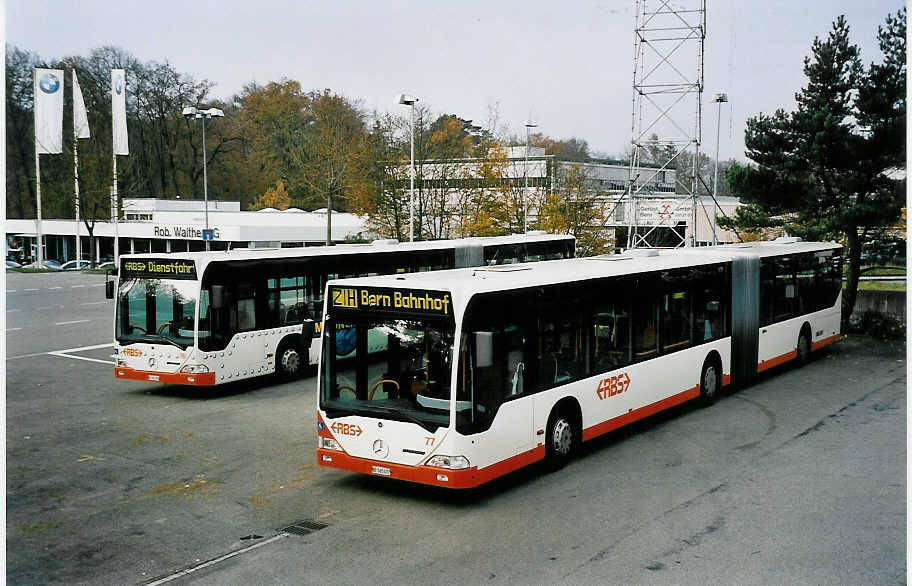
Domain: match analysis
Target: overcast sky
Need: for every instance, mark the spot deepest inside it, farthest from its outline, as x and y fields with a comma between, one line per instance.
x=570, y=63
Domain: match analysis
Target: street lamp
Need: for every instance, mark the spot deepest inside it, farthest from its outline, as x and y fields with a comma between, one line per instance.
x=529, y=125
x=407, y=100
x=720, y=99
x=191, y=112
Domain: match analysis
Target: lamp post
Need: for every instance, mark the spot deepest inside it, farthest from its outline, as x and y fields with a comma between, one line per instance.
x=529, y=125
x=191, y=112
x=407, y=100
x=720, y=99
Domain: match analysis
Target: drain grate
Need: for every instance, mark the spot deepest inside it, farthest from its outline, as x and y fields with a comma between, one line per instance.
x=305, y=527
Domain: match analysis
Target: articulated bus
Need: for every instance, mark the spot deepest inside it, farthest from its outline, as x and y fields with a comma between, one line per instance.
x=209, y=318
x=457, y=377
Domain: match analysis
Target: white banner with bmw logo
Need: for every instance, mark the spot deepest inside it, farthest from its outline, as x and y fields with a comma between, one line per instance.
x=49, y=111
x=119, y=111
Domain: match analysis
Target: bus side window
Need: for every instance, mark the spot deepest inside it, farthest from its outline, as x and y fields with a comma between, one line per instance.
x=610, y=333
x=708, y=303
x=645, y=319
x=246, y=307
x=204, y=317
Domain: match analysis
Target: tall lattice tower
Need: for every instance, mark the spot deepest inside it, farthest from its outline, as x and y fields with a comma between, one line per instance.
x=666, y=127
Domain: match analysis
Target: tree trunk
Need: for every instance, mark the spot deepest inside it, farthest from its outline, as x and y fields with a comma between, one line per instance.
x=853, y=271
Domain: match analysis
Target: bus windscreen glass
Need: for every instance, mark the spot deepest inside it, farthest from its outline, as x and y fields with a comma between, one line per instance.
x=388, y=363
x=156, y=310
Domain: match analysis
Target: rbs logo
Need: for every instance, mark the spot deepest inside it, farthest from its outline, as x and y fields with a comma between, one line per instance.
x=613, y=385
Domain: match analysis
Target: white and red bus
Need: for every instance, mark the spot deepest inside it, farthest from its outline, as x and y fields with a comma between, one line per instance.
x=209, y=318
x=457, y=377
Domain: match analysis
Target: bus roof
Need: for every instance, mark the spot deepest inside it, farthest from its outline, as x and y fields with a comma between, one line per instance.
x=469, y=281
x=203, y=258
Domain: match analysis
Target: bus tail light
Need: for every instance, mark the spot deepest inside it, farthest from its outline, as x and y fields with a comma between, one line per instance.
x=451, y=462
x=328, y=443
x=194, y=369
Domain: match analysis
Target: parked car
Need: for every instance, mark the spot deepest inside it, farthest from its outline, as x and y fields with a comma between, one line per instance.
x=72, y=265
x=106, y=265
x=51, y=265
x=11, y=264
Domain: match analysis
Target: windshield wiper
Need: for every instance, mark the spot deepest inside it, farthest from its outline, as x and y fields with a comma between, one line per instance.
x=163, y=339
x=396, y=413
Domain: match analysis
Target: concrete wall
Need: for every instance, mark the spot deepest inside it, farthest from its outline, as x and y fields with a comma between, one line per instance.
x=890, y=303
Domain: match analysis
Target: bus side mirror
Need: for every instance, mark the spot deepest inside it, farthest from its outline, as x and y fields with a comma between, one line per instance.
x=307, y=332
x=217, y=297
x=109, y=289
x=484, y=349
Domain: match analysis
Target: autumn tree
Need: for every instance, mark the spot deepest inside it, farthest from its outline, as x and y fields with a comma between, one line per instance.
x=575, y=207
x=274, y=197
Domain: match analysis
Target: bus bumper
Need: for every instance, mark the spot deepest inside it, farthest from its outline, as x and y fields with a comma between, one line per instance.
x=168, y=378
x=462, y=479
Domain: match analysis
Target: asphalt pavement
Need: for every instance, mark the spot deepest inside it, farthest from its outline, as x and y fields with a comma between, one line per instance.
x=799, y=478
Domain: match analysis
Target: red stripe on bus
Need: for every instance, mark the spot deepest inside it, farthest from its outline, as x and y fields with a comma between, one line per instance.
x=777, y=360
x=726, y=380
x=468, y=478
x=824, y=342
x=640, y=413
x=169, y=378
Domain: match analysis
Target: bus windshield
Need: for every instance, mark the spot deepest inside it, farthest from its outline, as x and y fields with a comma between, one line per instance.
x=388, y=367
x=156, y=310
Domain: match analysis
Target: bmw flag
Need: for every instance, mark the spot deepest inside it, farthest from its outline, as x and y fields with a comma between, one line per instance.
x=119, y=111
x=48, y=111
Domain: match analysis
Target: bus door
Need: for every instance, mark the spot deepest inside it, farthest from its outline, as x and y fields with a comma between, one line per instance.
x=493, y=377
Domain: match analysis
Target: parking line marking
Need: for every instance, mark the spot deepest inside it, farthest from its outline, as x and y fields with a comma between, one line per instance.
x=71, y=287
x=82, y=348
x=98, y=285
x=212, y=562
x=52, y=288
x=33, y=289
x=13, y=329
x=86, y=358
x=12, y=310
x=66, y=323
x=57, y=352
x=89, y=303
x=10, y=290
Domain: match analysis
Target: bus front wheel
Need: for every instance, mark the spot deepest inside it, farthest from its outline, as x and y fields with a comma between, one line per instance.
x=289, y=362
x=560, y=440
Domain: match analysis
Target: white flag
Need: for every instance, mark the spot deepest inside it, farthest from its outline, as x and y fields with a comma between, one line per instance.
x=119, y=111
x=48, y=111
x=80, y=118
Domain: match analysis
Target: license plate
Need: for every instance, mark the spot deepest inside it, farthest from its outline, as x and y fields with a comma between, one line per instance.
x=153, y=377
x=381, y=470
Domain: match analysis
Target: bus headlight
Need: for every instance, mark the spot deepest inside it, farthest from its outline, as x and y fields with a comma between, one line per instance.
x=328, y=443
x=194, y=369
x=451, y=462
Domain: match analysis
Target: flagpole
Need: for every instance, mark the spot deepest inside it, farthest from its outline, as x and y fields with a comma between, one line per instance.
x=76, y=193
x=37, y=182
x=114, y=216
x=38, y=203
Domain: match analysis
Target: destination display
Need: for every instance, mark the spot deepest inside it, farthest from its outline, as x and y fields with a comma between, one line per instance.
x=158, y=268
x=398, y=301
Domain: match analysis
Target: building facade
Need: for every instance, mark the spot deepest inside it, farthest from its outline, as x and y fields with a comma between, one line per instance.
x=165, y=225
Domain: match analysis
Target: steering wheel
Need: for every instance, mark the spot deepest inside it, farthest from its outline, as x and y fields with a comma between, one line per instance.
x=347, y=388
x=138, y=328
x=370, y=395
x=162, y=327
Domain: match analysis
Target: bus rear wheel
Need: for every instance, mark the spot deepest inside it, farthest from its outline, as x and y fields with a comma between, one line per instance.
x=560, y=440
x=709, y=382
x=804, y=347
